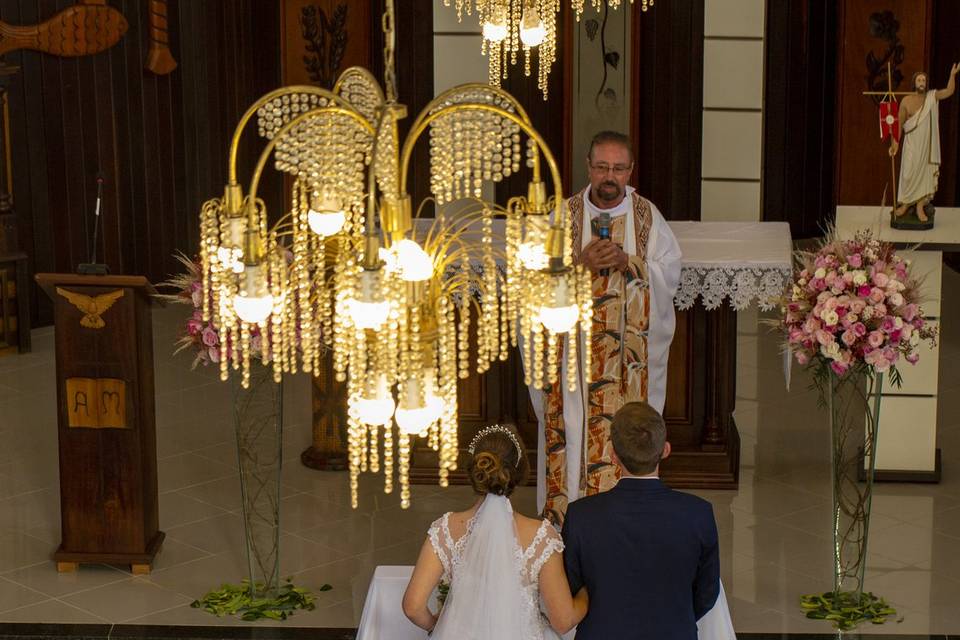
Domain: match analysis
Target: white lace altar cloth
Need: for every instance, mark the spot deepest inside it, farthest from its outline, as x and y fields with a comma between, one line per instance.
x=383, y=618
x=737, y=262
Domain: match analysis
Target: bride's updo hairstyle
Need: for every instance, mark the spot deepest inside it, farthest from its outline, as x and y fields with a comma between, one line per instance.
x=497, y=463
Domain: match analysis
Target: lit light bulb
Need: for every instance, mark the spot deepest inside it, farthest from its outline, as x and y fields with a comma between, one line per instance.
x=417, y=411
x=254, y=303
x=369, y=310
x=559, y=315
x=532, y=31
x=326, y=217
x=495, y=29
x=413, y=263
x=376, y=407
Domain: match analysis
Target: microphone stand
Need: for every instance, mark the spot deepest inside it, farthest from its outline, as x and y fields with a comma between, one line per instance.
x=92, y=267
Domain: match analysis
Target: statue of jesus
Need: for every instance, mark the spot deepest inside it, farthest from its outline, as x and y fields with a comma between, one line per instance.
x=920, y=164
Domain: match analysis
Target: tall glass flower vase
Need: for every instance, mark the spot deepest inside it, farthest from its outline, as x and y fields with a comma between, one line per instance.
x=258, y=420
x=853, y=402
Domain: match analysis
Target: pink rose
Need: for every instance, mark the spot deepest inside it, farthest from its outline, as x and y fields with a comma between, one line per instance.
x=824, y=337
x=839, y=368
x=860, y=329
x=830, y=304
x=887, y=324
x=875, y=339
x=849, y=337
x=818, y=284
x=877, y=361
x=880, y=279
x=912, y=358
x=811, y=325
x=880, y=310
x=194, y=326
x=863, y=291
x=209, y=337
x=214, y=354
x=877, y=295
x=802, y=357
x=855, y=260
x=856, y=306
x=895, y=336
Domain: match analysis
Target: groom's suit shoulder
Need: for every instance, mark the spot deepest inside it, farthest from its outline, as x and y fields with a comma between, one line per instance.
x=590, y=507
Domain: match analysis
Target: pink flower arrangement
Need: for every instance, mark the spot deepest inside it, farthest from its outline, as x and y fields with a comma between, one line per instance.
x=199, y=337
x=854, y=304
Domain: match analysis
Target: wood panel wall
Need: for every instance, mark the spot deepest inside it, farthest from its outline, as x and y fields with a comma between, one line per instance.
x=799, y=113
x=945, y=52
x=159, y=141
x=667, y=103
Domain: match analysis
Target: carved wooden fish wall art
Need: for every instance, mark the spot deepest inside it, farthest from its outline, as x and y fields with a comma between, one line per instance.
x=83, y=29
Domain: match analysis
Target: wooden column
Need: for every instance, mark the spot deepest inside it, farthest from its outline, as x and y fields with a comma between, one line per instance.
x=329, y=449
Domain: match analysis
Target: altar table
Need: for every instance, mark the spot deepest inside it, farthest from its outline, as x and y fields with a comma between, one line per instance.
x=727, y=267
x=383, y=617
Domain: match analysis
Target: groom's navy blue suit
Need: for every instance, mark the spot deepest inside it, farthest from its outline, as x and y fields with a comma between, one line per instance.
x=649, y=558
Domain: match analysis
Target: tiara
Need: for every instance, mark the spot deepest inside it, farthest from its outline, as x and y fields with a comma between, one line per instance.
x=496, y=428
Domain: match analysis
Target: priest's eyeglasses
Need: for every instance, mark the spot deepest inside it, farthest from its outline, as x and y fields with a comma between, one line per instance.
x=602, y=168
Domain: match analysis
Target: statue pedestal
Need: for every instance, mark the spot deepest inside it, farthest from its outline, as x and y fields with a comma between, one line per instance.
x=909, y=221
x=906, y=448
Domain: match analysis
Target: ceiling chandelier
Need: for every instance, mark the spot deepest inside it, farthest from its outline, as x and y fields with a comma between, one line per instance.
x=352, y=269
x=512, y=26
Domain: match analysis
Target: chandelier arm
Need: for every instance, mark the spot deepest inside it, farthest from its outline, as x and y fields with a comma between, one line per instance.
x=267, y=150
x=264, y=99
x=416, y=132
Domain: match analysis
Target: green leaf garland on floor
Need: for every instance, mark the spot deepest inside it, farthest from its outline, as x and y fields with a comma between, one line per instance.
x=233, y=599
x=843, y=611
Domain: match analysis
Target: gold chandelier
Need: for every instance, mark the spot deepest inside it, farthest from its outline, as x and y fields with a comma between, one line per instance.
x=348, y=268
x=512, y=26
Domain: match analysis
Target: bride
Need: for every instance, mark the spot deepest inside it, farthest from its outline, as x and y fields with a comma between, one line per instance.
x=499, y=565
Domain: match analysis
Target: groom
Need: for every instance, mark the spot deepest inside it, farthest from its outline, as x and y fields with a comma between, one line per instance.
x=648, y=555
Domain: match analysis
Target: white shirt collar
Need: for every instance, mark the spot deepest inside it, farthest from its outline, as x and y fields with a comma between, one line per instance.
x=619, y=210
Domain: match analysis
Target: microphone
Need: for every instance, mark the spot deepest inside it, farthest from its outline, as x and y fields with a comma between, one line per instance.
x=603, y=232
x=92, y=268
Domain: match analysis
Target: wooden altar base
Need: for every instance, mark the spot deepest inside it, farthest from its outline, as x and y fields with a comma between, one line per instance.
x=705, y=469
x=701, y=396
x=140, y=563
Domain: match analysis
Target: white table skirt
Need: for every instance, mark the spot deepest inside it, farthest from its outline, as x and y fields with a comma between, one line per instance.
x=383, y=617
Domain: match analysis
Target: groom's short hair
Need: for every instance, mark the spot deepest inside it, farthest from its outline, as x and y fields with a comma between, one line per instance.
x=638, y=434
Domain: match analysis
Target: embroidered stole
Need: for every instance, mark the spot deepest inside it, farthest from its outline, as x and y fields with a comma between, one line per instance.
x=618, y=373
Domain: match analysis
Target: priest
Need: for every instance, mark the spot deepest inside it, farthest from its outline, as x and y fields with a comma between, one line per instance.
x=634, y=258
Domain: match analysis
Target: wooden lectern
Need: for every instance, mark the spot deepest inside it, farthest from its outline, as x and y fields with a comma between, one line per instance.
x=106, y=422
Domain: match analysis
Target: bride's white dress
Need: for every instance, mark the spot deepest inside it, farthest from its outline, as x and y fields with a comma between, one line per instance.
x=494, y=583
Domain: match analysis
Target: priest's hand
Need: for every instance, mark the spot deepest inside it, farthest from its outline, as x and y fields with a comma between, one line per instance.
x=602, y=254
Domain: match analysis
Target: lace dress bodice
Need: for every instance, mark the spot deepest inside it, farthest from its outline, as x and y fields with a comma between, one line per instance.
x=530, y=561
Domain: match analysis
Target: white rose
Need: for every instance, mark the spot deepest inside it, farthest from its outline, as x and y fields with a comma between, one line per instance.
x=820, y=273
x=914, y=339
x=830, y=317
x=859, y=278
x=831, y=350
x=898, y=322
x=852, y=317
